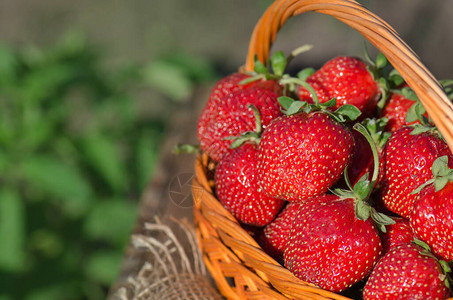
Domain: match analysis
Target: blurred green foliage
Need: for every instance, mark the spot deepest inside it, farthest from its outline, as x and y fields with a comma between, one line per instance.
x=75, y=155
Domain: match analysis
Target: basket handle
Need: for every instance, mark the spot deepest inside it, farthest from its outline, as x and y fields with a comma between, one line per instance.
x=377, y=32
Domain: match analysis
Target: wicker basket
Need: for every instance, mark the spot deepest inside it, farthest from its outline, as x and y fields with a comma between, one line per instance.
x=240, y=268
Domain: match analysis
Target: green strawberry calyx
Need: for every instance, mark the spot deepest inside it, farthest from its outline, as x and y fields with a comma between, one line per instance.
x=361, y=191
x=379, y=71
x=376, y=128
x=248, y=136
x=445, y=266
x=275, y=68
x=442, y=174
x=344, y=113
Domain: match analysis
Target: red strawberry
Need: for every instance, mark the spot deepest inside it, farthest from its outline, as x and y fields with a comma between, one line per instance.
x=407, y=160
x=226, y=113
x=396, y=234
x=401, y=109
x=302, y=155
x=276, y=234
x=346, y=79
x=395, y=110
x=406, y=272
x=331, y=247
x=432, y=215
x=238, y=189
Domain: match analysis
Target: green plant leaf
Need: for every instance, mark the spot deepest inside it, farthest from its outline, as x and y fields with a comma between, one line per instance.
x=362, y=210
x=147, y=152
x=440, y=166
x=415, y=112
x=168, y=79
x=440, y=183
x=343, y=194
x=60, y=181
x=349, y=112
x=12, y=231
x=285, y=102
x=101, y=153
x=395, y=78
x=418, y=129
x=419, y=188
x=295, y=107
x=8, y=66
x=421, y=244
x=409, y=94
x=103, y=266
x=381, y=61
x=305, y=73
x=278, y=62
x=260, y=68
x=331, y=103
x=362, y=187
x=117, y=233
x=381, y=218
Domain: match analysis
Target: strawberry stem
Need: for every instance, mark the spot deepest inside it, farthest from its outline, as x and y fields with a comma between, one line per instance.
x=360, y=128
x=292, y=80
x=256, y=113
x=249, y=136
x=298, y=51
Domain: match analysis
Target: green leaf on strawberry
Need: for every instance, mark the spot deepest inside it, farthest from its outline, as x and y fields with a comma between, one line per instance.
x=442, y=174
x=278, y=63
x=248, y=136
x=347, y=113
x=260, y=68
x=305, y=73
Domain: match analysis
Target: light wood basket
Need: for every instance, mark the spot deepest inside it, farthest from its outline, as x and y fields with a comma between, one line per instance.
x=240, y=268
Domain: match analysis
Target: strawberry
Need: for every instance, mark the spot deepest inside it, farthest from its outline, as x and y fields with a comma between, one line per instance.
x=396, y=234
x=302, y=155
x=346, y=79
x=395, y=110
x=238, y=190
x=331, y=247
x=407, y=271
x=407, y=158
x=403, y=108
x=432, y=215
x=226, y=113
x=337, y=244
x=276, y=234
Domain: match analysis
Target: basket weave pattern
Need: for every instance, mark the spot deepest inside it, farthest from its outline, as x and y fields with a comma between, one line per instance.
x=240, y=268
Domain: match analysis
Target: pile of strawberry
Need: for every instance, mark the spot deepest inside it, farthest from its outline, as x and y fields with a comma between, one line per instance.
x=338, y=174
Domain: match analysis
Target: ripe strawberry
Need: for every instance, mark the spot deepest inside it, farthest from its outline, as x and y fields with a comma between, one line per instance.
x=346, y=79
x=407, y=158
x=331, y=247
x=276, y=234
x=396, y=234
x=432, y=215
x=238, y=189
x=406, y=272
x=403, y=108
x=395, y=110
x=302, y=155
x=226, y=113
